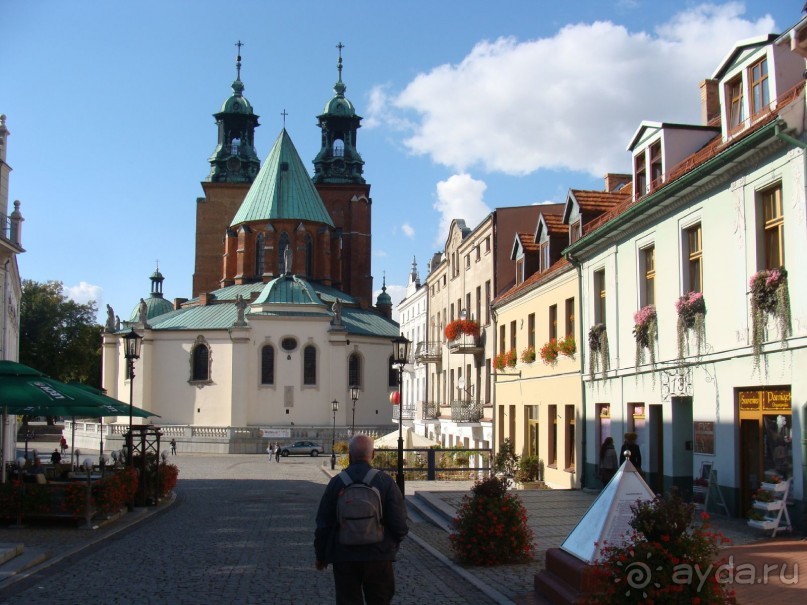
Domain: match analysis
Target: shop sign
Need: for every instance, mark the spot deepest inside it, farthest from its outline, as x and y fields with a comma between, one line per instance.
x=750, y=400
x=704, y=437
x=777, y=400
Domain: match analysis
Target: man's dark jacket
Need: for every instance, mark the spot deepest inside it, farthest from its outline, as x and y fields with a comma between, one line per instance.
x=326, y=540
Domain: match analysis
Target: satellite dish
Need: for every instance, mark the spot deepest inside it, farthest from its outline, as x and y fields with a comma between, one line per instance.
x=461, y=382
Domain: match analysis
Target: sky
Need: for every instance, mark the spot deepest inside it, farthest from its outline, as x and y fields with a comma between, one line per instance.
x=467, y=105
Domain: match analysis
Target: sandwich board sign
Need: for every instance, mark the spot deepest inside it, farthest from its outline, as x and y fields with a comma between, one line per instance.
x=608, y=518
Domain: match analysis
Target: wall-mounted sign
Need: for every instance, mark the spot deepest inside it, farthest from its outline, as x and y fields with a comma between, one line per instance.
x=704, y=437
x=776, y=400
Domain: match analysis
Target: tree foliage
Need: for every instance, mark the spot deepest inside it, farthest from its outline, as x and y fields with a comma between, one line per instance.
x=59, y=336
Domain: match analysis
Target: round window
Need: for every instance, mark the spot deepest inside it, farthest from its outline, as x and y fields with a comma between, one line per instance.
x=288, y=343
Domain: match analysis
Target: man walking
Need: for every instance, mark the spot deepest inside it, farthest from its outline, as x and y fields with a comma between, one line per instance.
x=362, y=564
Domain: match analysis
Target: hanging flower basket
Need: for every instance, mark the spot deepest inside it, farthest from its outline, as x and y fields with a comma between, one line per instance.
x=461, y=326
x=598, y=350
x=549, y=352
x=769, y=298
x=691, y=309
x=645, y=331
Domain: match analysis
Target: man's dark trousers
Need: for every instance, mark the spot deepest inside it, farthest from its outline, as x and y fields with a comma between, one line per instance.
x=377, y=578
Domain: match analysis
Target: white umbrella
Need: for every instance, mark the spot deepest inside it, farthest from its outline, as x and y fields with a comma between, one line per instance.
x=411, y=440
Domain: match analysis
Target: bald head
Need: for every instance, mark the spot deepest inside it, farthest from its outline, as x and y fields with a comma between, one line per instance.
x=360, y=449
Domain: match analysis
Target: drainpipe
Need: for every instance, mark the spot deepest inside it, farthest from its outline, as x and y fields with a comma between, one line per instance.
x=582, y=352
x=786, y=137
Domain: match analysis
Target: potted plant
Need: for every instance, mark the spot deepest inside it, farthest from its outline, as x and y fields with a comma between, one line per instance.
x=530, y=473
x=500, y=361
x=645, y=332
x=461, y=326
x=769, y=298
x=691, y=309
x=528, y=355
x=598, y=350
x=567, y=346
x=511, y=358
x=549, y=352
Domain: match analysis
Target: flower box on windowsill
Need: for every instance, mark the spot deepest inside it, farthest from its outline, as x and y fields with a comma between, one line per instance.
x=764, y=524
x=775, y=505
x=775, y=487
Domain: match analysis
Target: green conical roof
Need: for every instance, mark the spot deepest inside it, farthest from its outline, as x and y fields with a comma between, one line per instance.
x=282, y=190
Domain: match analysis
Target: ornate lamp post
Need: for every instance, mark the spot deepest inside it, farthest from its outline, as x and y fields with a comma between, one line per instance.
x=354, y=395
x=131, y=350
x=400, y=355
x=335, y=407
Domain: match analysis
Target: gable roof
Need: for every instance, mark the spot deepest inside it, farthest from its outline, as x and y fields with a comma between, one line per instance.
x=741, y=46
x=550, y=222
x=282, y=190
x=525, y=242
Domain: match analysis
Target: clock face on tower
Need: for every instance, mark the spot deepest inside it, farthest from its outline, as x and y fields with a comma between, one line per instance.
x=233, y=164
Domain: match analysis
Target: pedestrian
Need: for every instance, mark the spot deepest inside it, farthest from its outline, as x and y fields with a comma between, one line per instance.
x=55, y=457
x=63, y=444
x=608, y=460
x=173, y=447
x=364, y=567
x=631, y=446
x=277, y=452
x=271, y=451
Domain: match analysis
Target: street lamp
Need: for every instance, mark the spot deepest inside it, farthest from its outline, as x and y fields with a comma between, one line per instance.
x=335, y=407
x=400, y=355
x=354, y=395
x=131, y=351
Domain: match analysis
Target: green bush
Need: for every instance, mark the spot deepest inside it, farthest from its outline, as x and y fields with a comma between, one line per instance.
x=530, y=468
x=506, y=460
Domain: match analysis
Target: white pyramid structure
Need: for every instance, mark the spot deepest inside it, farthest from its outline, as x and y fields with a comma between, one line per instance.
x=608, y=518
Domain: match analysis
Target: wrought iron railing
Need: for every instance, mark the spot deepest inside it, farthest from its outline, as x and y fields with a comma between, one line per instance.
x=467, y=411
x=430, y=410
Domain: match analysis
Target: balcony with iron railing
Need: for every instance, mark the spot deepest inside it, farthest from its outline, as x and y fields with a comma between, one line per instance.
x=467, y=412
x=429, y=352
x=429, y=410
x=466, y=344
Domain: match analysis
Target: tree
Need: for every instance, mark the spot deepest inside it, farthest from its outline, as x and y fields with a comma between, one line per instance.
x=59, y=336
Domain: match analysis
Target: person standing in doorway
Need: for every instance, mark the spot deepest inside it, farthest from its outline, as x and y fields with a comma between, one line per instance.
x=608, y=460
x=277, y=452
x=631, y=446
x=362, y=569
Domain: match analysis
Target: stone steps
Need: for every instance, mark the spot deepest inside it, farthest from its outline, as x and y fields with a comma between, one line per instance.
x=15, y=559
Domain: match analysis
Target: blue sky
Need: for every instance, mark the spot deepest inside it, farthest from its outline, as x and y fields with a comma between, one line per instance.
x=468, y=106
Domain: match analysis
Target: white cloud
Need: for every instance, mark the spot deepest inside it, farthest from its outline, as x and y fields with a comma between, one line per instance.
x=84, y=293
x=408, y=230
x=570, y=101
x=459, y=197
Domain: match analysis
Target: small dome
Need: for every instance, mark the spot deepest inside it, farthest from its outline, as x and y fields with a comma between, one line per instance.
x=340, y=106
x=156, y=306
x=237, y=104
x=383, y=299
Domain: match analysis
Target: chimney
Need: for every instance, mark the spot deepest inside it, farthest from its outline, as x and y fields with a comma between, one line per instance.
x=710, y=101
x=613, y=181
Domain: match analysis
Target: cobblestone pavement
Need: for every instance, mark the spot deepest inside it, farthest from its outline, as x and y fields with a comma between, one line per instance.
x=239, y=532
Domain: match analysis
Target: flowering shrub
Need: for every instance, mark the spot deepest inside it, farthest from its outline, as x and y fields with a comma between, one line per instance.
x=567, y=346
x=168, y=475
x=528, y=355
x=109, y=494
x=491, y=527
x=75, y=499
x=660, y=559
x=549, y=352
x=461, y=326
x=691, y=309
x=769, y=298
x=18, y=499
x=645, y=331
x=598, y=349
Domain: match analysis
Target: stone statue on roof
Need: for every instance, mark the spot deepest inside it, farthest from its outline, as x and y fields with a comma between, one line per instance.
x=241, y=306
x=287, y=260
x=110, y=319
x=143, y=313
x=337, y=313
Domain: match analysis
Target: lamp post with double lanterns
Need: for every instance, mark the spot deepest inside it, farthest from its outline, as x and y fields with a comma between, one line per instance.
x=400, y=355
x=131, y=351
x=354, y=395
x=335, y=408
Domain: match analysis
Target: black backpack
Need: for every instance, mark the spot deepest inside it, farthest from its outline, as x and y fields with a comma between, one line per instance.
x=359, y=511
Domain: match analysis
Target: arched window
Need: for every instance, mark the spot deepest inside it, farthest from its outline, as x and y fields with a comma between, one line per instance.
x=310, y=365
x=338, y=148
x=268, y=365
x=201, y=363
x=259, y=243
x=354, y=370
x=392, y=379
x=282, y=246
x=309, y=255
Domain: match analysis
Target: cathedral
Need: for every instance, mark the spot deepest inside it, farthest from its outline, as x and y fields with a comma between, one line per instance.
x=281, y=321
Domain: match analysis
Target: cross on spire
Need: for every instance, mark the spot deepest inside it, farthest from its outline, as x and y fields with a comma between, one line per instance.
x=239, y=44
x=284, y=114
x=340, y=46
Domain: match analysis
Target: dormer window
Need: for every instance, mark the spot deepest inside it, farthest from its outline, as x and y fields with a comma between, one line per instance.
x=520, y=270
x=760, y=96
x=734, y=91
x=655, y=164
x=575, y=230
x=640, y=172
x=543, y=252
